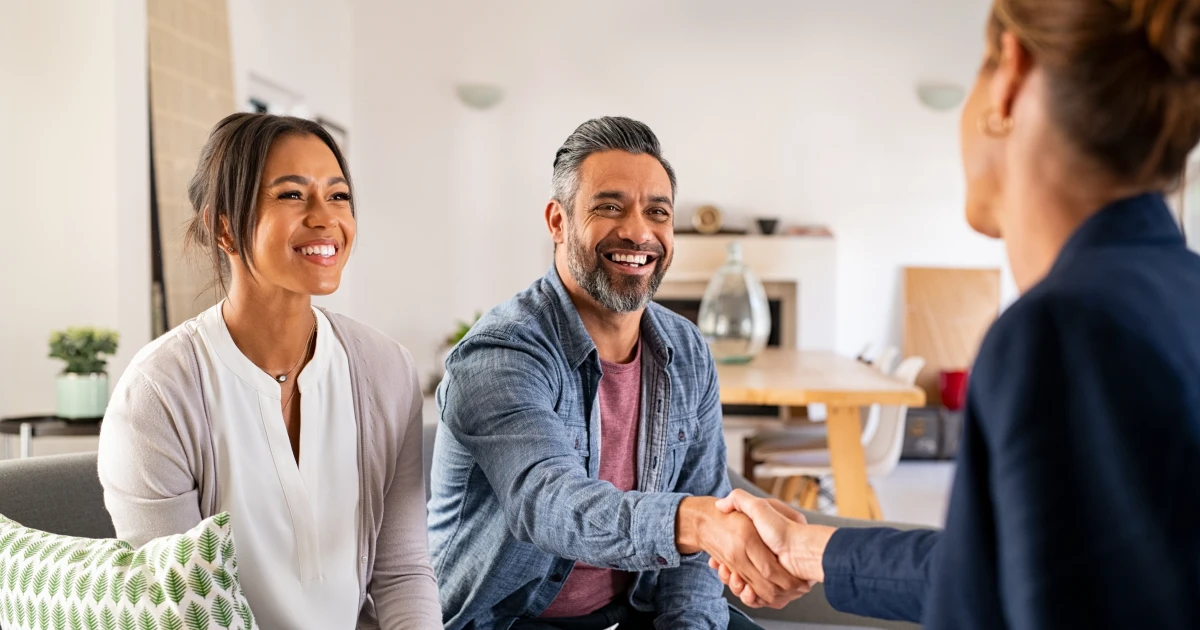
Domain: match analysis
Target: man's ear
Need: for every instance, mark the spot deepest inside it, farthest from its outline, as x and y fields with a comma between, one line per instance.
x=556, y=221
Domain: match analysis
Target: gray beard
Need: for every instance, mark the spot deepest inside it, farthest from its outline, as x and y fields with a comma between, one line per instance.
x=620, y=294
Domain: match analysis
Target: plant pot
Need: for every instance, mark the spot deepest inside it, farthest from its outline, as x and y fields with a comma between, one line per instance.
x=80, y=396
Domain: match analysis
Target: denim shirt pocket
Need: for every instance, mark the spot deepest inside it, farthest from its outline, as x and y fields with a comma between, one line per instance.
x=681, y=434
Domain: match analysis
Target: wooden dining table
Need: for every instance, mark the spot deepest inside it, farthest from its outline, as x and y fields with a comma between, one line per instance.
x=797, y=378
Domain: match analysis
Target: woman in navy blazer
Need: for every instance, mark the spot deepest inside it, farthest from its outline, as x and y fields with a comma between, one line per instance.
x=1077, y=497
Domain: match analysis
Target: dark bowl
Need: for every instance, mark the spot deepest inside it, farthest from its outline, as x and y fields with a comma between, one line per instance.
x=767, y=226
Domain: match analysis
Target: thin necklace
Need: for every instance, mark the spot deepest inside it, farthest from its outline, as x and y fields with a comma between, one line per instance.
x=282, y=378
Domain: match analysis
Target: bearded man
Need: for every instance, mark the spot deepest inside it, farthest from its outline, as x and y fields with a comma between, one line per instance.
x=579, y=442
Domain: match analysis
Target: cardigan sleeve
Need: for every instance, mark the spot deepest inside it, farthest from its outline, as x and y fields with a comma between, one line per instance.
x=403, y=585
x=149, y=488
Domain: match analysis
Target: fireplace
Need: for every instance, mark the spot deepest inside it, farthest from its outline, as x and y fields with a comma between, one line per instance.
x=684, y=299
x=798, y=277
x=691, y=310
x=797, y=272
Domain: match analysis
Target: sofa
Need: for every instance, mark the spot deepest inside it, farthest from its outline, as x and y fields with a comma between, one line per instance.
x=62, y=494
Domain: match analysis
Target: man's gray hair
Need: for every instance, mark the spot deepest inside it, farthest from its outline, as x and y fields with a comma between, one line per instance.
x=611, y=133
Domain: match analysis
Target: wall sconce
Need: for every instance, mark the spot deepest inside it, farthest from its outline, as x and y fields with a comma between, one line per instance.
x=940, y=96
x=479, y=95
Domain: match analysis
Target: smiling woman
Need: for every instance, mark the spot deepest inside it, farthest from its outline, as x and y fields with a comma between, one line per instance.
x=288, y=165
x=215, y=415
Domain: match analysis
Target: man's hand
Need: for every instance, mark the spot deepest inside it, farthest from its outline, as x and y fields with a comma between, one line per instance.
x=800, y=547
x=733, y=541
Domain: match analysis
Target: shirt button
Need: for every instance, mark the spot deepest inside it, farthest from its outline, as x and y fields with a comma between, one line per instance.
x=363, y=559
x=682, y=437
x=662, y=560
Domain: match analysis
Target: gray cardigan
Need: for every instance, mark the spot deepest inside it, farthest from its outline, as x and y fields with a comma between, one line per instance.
x=159, y=473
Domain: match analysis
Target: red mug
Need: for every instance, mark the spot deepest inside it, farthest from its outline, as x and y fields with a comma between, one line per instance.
x=953, y=386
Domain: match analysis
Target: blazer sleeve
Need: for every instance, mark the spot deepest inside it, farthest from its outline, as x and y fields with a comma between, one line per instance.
x=149, y=488
x=880, y=572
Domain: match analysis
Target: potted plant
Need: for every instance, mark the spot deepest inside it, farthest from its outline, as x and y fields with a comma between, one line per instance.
x=82, y=389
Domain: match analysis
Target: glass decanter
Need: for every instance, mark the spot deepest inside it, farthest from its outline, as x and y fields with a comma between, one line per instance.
x=735, y=317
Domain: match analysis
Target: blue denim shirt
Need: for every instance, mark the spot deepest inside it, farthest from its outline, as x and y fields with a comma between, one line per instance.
x=516, y=498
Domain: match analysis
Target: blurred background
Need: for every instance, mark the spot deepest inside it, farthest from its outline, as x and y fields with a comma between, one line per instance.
x=836, y=120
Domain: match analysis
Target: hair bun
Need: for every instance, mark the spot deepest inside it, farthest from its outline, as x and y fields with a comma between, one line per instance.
x=1172, y=29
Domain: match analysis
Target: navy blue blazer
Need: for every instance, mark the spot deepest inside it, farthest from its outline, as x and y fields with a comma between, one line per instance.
x=1076, y=502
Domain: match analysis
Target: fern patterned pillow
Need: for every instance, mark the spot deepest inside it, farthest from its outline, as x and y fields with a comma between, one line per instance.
x=188, y=581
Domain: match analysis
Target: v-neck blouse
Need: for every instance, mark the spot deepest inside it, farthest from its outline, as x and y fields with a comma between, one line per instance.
x=296, y=525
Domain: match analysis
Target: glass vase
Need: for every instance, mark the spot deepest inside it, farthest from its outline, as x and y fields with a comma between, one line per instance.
x=735, y=317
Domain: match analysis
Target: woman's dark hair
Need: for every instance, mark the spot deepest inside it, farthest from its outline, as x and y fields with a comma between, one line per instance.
x=229, y=175
x=1123, y=76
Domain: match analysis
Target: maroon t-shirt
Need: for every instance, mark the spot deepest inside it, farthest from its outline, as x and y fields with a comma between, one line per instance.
x=590, y=588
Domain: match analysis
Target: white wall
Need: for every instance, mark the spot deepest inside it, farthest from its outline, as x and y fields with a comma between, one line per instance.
x=303, y=47
x=801, y=110
x=73, y=150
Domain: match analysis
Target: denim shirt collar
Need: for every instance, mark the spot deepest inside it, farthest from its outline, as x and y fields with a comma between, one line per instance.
x=577, y=342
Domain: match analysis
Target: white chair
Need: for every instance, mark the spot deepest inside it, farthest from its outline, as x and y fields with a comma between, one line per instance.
x=884, y=362
x=870, y=415
x=798, y=472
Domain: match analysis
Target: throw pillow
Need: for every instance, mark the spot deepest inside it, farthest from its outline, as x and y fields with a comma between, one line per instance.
x=183, y=582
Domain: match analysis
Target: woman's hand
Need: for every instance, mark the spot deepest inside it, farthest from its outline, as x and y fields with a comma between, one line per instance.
x=798, y=545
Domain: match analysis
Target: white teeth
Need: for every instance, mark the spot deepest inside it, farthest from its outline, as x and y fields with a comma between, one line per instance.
x=636, y=260
x=324, y=251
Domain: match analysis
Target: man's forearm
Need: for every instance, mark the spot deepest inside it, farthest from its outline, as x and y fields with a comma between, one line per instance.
x=690, y=520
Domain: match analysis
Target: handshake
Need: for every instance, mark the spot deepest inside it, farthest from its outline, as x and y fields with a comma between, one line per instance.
x=765, y=551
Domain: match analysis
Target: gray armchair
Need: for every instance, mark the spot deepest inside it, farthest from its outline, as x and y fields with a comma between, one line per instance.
x=59, y=494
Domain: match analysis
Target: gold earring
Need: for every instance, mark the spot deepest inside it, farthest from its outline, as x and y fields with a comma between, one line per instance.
x=993, y=125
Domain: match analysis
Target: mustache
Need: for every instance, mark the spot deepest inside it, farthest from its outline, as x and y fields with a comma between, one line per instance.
x=608, y=245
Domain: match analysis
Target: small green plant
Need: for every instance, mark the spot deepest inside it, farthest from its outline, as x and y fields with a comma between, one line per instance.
x=461, y=331
x=85, y=349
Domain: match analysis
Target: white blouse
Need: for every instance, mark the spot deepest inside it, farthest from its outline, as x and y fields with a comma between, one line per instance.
x=295, y=526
